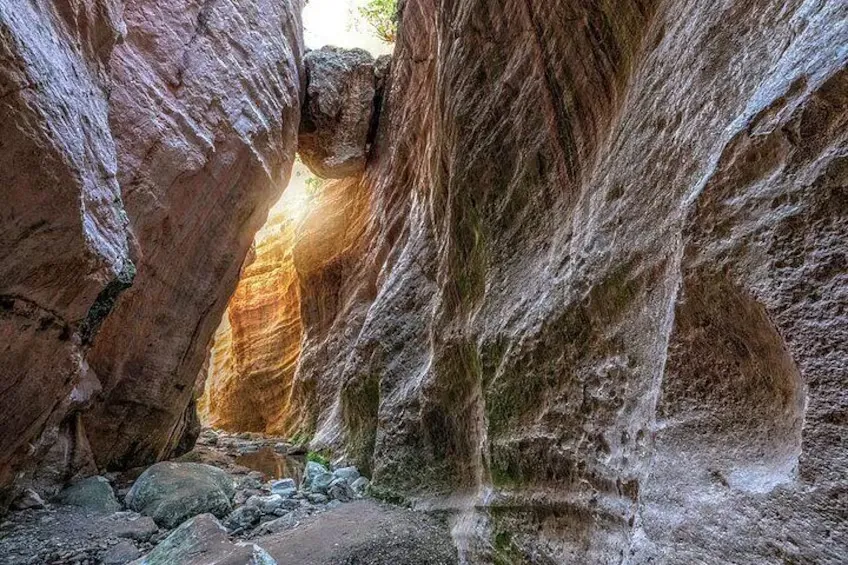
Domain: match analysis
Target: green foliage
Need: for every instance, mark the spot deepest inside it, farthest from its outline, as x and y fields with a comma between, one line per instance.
x=300, y=438
x=382, y=16
x=319, y=458
x=313, y=186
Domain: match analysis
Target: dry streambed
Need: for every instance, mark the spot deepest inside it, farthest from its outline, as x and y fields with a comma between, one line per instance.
x=234, y=499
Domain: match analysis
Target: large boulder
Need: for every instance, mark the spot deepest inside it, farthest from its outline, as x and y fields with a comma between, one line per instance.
x=170, y=493
x=204, y=541
x=92, y=493
x=336, y=117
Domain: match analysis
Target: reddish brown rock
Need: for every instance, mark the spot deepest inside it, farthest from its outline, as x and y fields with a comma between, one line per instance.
x=600, y=290
x=256, y=347
x=63, y=231
x=205, y=110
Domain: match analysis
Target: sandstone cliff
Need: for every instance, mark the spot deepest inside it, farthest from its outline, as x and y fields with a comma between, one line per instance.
x=63, y=231
x=256, y=348
x=600, y=292
x=205, y=111
x=161, y=131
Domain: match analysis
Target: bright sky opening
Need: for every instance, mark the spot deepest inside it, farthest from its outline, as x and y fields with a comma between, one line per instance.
x=336, y=22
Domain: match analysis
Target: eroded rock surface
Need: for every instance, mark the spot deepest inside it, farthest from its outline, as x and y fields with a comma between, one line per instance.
x=205, y=110
x=255, y=350
x=600, y=289
x=337, y=112
x=64, y=254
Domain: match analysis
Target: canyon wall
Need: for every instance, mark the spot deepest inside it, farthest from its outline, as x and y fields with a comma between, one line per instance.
x=596, y=309
x=256, y=347
x=64, y=254
x=143, y=144
x=205, y=111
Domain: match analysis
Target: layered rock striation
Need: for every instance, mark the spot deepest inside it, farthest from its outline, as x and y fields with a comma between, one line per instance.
x=256, y=347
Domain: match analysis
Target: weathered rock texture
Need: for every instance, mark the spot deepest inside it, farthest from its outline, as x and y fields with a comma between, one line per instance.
x=599, y=289
x=175, y=168
x=256, y=348
x=63, y=231
x=337, y=112
x=205, y=111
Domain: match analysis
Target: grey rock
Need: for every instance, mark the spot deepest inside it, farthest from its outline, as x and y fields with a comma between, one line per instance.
x=336, y=116
x=349, y=474
x=312, y=470
x=340, y=490
x=283, y=485
x=93, y=493
x=276, y=526
x=360, y=486
x=271, y=504
x=202, y=540
x=321, y=483
x=277, y=504
x=122, y=552
x=286, y=493
x=28, y=499
x=139, y=528
x=173, y=492
x=242, y=496
x=281, y=448
x=243, y=518
x=316, y=498
x=250, y=482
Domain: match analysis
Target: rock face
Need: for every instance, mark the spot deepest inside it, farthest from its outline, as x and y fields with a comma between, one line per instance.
x=337, y=114
x=205, y=111
x=600, y=284
x=256, y=348
x=63, y=231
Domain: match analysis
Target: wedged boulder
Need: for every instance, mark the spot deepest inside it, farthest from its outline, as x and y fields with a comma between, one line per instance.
x=204, y=541
x=170, y=493
x=93, y=493
x=336, y=117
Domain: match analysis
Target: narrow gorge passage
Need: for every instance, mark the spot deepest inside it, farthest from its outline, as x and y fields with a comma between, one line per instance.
x=420, y=282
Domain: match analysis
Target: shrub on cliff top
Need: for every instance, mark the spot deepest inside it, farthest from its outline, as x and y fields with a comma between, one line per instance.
x=381, y=15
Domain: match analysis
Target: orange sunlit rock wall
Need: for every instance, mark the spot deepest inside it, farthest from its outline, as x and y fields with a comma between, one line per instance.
x=288, y=292
x=256, y=347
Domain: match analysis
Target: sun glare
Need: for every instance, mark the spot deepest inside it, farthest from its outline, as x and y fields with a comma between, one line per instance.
x=297, y=200
x=335, y=22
